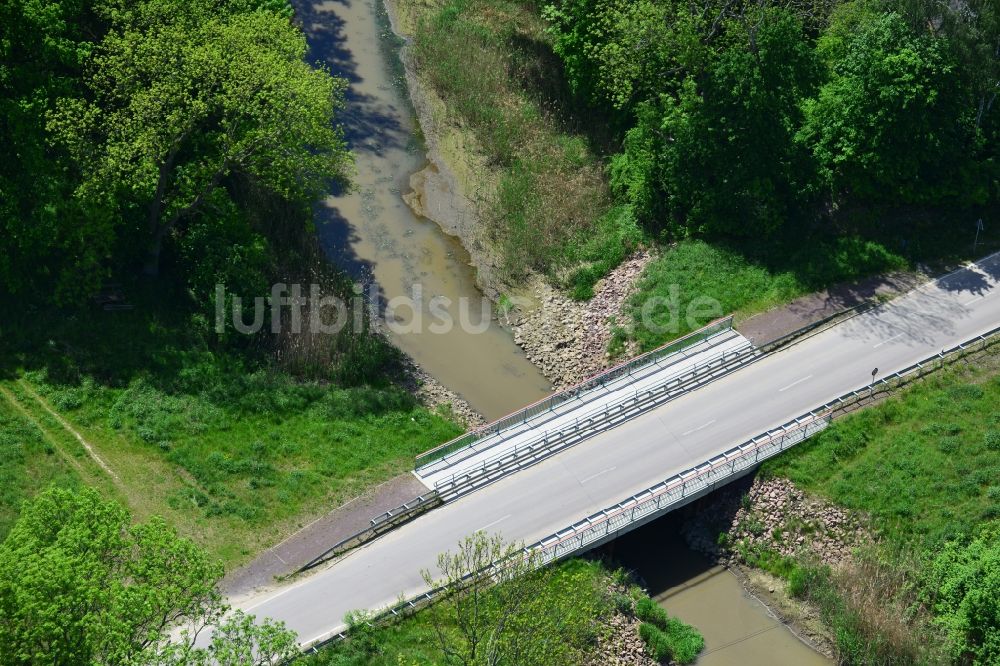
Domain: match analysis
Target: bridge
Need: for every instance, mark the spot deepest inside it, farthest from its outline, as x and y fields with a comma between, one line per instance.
x=585, y=466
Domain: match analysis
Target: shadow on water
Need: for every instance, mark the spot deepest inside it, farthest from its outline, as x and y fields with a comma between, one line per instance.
x=369, y=123
x=372, y=234
x=738, y=629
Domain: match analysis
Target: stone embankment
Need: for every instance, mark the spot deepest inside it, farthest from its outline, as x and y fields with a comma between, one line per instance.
x=568, y=339
x=438, y=398
x=776, y=515
x=621, y=645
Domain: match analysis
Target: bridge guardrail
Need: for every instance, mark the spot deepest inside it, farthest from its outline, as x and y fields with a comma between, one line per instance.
x=377, y=526
x=701, y=477
x=675, y=489
x=591, y=423
x=551, y=402
x=764, y=446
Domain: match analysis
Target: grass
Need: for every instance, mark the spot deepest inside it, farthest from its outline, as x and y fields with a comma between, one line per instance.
x=667, y=638
x=925, y=465
x=29, y=462
x=233, y=450
x=694, y=282
x=543, y=192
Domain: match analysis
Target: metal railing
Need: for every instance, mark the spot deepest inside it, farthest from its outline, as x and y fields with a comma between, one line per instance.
x=591, y=423
x=377, y=526
x=551, y=402
x=698, y=479
x=710, y=473
x=675, y=490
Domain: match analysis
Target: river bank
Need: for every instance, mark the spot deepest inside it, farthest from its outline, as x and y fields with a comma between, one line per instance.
x=738, y=623
x=406, y=266
x=565, y=338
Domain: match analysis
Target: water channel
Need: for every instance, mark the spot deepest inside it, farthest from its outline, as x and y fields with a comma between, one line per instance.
x=374, y=235
x=739, y=630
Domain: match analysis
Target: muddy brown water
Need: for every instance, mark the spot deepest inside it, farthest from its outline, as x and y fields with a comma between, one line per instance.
x=374, y=235
x=738, y=629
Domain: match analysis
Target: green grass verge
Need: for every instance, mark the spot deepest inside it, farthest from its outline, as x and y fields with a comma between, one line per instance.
x=28, y=463
x=693, y=282
x=925, y=465
x=233, y=450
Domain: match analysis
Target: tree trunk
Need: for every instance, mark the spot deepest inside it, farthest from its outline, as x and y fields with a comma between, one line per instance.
x=152, y=266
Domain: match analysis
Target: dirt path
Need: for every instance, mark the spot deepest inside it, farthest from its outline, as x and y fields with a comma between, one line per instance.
x=46, y=432
x=71, y=430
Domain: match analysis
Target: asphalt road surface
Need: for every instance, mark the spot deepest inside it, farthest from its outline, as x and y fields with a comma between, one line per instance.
x=571, y=485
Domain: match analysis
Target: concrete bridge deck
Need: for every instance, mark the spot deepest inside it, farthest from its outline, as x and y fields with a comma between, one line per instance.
x=558, y=492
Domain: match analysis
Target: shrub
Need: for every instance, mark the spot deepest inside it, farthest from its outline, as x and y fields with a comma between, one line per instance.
x=993, y=440
x=648, y=611
x=623, y=603
x=667, y=637
x=684, y=640
x=657, y=643
x=962, y=586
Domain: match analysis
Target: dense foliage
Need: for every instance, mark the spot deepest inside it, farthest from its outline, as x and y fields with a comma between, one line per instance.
x=128, y=127
x=81, y=585
x=964, y=588
x=746, y=117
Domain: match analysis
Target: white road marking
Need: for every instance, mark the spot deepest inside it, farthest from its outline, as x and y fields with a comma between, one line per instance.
x=701, y=427
x=884, y=342
x=486, y=527
x=795, y=383
x=594, y=476
x=977, y=298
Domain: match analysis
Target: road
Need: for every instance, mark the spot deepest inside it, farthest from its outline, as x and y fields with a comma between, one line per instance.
x=564, y=416
x=550, y=496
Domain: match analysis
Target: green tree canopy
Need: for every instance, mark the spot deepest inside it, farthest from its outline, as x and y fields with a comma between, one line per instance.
x=49, y=240
x=183, y=95
x=894, y=121
x=963, y=587
x=80, y=585
x=720, y=157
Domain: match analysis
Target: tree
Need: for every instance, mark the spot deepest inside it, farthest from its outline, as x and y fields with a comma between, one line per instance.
x=53, y=246
x=500, y=608
x=183, y=95
x=962, y=585
x=238, y=641
x=719, y=155
x=81, y=585
x=894, y=123
x=615, y=51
